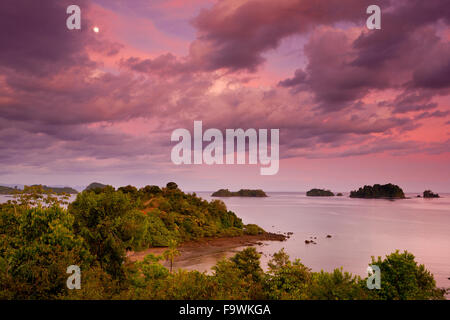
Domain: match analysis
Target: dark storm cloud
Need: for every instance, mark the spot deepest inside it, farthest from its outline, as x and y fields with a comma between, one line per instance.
x=35, y=39
x=166, y=65
x=336, y=83
x=235, y=36
x=435, y=114
x=406, y=53
x=61, y=108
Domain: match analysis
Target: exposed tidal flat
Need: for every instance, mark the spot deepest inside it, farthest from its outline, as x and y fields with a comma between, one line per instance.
x=359, y=229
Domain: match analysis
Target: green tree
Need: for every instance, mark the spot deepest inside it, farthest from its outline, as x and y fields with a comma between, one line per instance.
x=247, y=261
x=286, y=279
x=110, y=224
x=172, y=186
x=148, y=191
x=337, y=285
x=403, y=279
x=171, y=253
x=37, y=245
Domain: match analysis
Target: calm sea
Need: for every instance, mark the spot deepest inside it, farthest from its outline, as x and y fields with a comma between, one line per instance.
x=360, y=228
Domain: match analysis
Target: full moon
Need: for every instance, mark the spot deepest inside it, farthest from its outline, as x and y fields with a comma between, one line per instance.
x=96, y=29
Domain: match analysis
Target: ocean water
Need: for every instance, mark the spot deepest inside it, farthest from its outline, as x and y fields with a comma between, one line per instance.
x=360, y=228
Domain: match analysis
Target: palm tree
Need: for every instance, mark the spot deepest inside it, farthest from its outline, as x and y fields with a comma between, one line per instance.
x=171, y=253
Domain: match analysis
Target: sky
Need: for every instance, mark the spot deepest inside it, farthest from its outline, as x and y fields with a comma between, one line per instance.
x=354, y=106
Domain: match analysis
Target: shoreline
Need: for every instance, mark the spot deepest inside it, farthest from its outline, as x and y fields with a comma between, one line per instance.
x=193, y=249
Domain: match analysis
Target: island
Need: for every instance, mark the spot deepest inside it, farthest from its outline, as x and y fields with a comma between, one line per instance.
x=430, y=194
x=95, y=185
x=377, y=191
x=68, y=190
x=240, y=193
x=8, y=190
x=319, y=193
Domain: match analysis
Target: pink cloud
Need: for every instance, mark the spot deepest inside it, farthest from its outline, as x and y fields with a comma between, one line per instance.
x=108, y=102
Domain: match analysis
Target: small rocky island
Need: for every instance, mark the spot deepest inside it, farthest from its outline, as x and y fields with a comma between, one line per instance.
x=377, y=191
x=240, y=193
x=319, y=193
x=430, y=194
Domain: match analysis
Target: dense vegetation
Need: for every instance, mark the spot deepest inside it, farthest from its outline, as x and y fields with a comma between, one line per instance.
x=390, y=191
x=430, y=194
x=319, y=193
x=40, y=238
x=240, y=193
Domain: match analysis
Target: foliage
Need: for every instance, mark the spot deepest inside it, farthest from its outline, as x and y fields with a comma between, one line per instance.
x=181, y=216
x=403, y=279
x=286, y=279
x=240, y=193
x=247, y=261
x=337, y=285
x=171, y=253
x=171, y=186
x=390, y=191
x=430, y=194
x=319, y=193
x=149, y=191
x=37, y=245
x=110, y=223
x=253, y=229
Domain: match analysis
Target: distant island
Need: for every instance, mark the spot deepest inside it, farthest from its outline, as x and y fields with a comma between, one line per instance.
x=95, y=185
x=8, y=190
x=240, y=193
x=319, y=193
x=377, y=191
x=58, y=189
x=430, y=194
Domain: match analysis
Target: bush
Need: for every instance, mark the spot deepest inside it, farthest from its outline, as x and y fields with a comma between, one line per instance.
x=253, y=229
x=37, y=246
x=110, y=223
x=403, y=279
